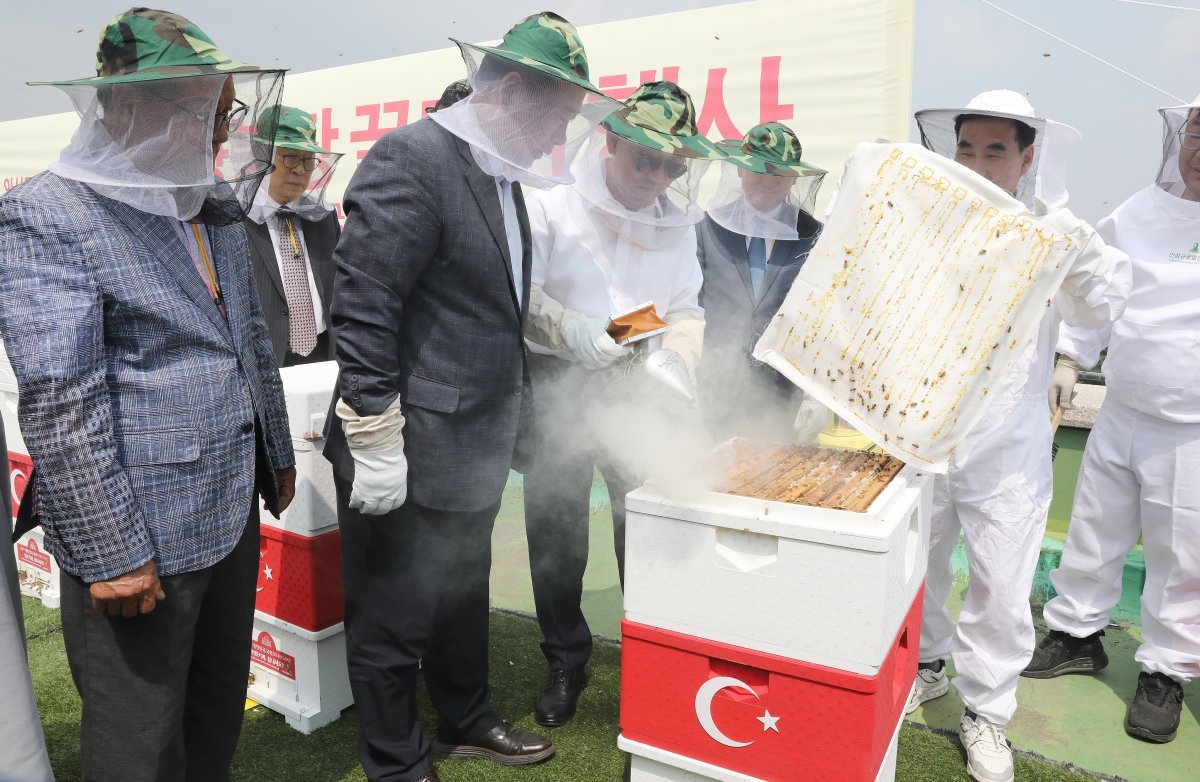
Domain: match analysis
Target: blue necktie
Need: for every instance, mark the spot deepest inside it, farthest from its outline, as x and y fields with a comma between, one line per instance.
x=757, y=253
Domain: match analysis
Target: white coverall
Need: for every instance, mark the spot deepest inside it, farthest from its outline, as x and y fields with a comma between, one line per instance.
x=23, y=748
x=997, y=492
x=1141, y=465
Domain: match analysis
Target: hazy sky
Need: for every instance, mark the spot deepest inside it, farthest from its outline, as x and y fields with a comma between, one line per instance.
x=962, y=47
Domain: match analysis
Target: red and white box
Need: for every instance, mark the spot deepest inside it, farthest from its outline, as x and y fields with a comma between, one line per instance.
x=299, y=674
x=829, y=587
x=650, y=764
x=749, y=715
x=37, y=572
x=300, y=578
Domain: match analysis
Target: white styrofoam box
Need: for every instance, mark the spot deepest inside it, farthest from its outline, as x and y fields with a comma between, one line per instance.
x=650, y=764
x=299, y=674
x=307, y=390
x=314, y=508
x=37, y=571
x=823, y=586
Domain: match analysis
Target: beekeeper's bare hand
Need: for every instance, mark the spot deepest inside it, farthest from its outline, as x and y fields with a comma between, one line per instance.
x=285, y=484
x=129, y=594
x=1062, y=385
x=590, y=344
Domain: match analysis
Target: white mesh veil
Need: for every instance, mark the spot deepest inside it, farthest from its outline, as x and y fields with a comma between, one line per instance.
x=1046, y=177
x=521, y=122
x=1180, y=123
x=310, y=204
x=149, y=143
x=624, y=179
x=763, y=205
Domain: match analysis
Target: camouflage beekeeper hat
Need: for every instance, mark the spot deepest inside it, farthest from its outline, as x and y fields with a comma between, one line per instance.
x=769, y=148
x=143, y=44
x=660, y=116
x=294, y=129
x=545, y=42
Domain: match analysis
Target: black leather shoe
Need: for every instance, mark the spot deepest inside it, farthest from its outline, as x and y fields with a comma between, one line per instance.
x=504, y=744
x=430, y=777
x=554, y=706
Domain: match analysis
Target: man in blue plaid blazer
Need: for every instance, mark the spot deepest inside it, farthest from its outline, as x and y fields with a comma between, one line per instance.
x=149, y=397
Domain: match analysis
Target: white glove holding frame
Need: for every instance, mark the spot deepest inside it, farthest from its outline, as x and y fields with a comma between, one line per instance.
x=1062, y=385
x=811, y=419
x=588, y=340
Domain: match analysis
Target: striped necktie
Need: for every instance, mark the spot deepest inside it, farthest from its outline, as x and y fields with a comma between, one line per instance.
x=302, y=322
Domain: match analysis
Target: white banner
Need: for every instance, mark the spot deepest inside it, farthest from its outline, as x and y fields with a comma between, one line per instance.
x=836, y=72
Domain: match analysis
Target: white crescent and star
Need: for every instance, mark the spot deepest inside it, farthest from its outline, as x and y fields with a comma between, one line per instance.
x=704, y=698
x=266, y=571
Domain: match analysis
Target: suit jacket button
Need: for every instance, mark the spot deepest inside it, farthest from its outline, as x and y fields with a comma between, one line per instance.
x=247, y=428
x=517, y=391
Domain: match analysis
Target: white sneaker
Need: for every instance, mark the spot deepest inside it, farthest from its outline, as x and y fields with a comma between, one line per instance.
x=930, y=684
x=989, y=758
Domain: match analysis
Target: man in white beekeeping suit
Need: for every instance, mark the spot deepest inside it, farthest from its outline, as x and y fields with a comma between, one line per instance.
x=1138, y=476
x=997, y=490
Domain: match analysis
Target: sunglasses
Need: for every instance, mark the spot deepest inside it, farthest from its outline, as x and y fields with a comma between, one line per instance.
x=673, y=168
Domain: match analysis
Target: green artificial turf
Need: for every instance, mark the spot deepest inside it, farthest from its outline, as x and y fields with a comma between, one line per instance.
x=270, y=751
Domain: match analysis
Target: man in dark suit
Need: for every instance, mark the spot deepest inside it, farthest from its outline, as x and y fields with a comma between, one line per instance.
x=292, y=234
x=757, y=234
x=428, y=309
x=149, y=397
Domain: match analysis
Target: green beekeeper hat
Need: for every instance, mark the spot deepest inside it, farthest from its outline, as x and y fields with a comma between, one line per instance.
x=660, y=116
x=294, y=129
x=770, y=148
x=545, y=42
x=143, y=44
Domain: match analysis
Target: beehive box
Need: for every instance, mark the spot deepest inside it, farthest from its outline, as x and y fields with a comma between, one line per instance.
x=824, y=585
x=761, y=716
x=650, y=764
x=299, y=674
x=37, y=572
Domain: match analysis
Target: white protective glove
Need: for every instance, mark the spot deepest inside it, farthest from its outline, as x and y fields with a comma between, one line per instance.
x=811, y=420
x=380, y=468
x=588, y=340
x=1062, y=385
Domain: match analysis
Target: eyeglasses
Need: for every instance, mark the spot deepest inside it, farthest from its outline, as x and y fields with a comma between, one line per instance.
x=1189, y=140
x=231, y=119
x=291, y=161
x=647, y=163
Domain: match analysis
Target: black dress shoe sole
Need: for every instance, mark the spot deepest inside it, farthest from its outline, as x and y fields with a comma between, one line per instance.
x=553, y=722
x=1138, y=732
x=471, y=751
x=1077, y=665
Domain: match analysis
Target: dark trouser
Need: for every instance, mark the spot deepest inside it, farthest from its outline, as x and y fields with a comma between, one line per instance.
x=319, y=353
x=416, y=583
x=164, y=693
x=558, y=501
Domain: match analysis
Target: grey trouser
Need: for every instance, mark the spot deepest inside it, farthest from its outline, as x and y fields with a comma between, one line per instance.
x=164, y=693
